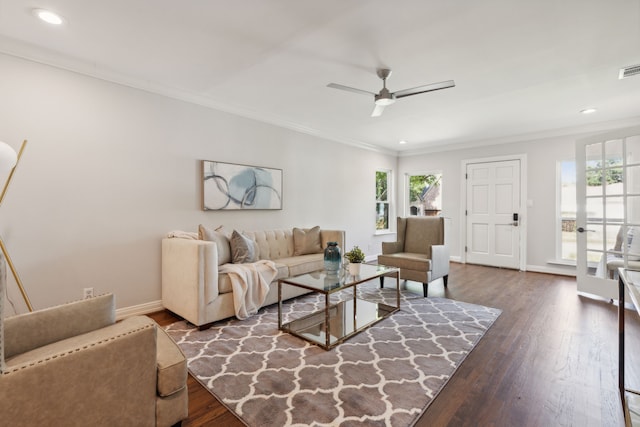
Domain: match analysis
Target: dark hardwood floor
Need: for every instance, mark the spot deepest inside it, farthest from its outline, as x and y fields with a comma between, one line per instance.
x=549, y=360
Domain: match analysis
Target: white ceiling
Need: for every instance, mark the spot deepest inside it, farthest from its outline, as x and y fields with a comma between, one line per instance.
x=522, y=68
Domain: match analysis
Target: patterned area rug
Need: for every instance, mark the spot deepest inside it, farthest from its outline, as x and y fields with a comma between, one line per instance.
x=386, y=375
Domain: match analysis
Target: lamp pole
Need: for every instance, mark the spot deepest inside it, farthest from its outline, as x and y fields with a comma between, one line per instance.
x=2, y=245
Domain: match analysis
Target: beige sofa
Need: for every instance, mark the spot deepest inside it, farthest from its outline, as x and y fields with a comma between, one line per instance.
x=193, y=287
x=73, y=365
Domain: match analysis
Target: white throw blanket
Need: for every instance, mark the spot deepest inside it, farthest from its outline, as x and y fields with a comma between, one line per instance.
x=250, y=285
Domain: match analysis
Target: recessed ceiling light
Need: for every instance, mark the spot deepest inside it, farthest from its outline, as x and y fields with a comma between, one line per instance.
x=588, y=111
x=403, y=142
x=48, y=16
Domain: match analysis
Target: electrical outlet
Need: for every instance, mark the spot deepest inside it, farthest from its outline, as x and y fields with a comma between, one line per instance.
x=87, y=293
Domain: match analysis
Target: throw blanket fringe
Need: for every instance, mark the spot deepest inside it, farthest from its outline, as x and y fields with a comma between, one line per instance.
x=183, y=235
x=250, y=285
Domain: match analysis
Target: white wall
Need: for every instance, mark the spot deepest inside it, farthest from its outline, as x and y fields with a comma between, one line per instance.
x=109, y=170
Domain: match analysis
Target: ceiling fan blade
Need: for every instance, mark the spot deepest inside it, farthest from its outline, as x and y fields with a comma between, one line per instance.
x=426, y=88
x=377, y=110
x=350, y=89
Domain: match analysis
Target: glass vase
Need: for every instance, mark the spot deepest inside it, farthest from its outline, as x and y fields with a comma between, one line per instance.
x=332, y=258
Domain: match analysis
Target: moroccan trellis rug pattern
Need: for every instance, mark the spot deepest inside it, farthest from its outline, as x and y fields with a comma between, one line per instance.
x=386, y=375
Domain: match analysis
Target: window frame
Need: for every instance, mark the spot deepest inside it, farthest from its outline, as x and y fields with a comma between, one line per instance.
x=559, y=258
x=407, y=189
x=388, y=201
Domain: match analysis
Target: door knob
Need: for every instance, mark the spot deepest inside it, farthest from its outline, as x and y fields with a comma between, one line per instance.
x=582, y=230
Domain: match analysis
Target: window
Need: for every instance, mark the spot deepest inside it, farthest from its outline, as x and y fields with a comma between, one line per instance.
x=383, y=186
x=567, y=249
x=425, y=194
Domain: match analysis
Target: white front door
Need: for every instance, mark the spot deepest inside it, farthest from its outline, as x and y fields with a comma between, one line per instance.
x=608, y=206
x=493, y=213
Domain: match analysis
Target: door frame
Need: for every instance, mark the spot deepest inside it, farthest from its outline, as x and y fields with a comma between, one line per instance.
x=524, y=220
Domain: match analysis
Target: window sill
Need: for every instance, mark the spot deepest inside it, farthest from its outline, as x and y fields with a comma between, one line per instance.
x=383, y=233
x=562, y=262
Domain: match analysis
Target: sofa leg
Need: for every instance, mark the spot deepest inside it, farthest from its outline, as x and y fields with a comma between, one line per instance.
x=445, y=279
x=205, y=326
x=381, y=282
x=425, y=289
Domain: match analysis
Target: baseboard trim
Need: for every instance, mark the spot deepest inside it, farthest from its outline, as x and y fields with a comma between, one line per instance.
x=551, y=270
x=140, y=309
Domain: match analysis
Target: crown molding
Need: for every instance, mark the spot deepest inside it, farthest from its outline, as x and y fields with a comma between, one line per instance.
x=577, y=131
x=36, y=54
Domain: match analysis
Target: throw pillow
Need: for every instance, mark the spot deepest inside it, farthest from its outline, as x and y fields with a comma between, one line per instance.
x=243, y=249
x=633, y=243
x=221, y=241
x=224, y=231
x=306, y=241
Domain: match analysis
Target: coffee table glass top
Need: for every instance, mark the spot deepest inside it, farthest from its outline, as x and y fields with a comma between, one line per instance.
x=321, y=281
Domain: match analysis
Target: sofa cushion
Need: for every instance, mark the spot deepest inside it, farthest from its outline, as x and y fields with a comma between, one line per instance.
x=243, y=249
x=172, y=365
x=303, y=264
x=306, y=241
x=272, y=244
x=221, y=241
x=410, y=261
x=224, y=284
x=420, y=230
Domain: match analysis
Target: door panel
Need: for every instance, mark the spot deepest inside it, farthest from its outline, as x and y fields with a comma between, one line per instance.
x=493, y=197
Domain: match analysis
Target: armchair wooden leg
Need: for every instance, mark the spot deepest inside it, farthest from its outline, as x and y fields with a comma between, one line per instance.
x=445, y=279
x=425, y=289
x=381, y=282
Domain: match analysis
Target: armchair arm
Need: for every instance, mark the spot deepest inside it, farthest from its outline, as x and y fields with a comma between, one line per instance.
x=104, y=377
x=189, y=277
x=439, y=261
x=391, y=247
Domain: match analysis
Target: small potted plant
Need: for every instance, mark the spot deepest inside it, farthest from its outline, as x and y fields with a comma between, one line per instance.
x=355, y=257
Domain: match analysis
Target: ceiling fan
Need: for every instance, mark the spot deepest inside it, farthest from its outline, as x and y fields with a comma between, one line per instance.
x=384, y=97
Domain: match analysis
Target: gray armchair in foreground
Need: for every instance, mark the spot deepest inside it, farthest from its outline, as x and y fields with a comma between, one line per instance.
x=73, y=365
x=420, y=252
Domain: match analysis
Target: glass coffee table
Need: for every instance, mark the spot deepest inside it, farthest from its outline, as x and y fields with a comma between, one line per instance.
x=338, y=321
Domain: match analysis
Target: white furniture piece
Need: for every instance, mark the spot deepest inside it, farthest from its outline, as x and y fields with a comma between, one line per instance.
x=195, y=289
x=615, y=258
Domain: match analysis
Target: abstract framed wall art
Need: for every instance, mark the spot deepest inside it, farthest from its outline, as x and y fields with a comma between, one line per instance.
x=230, y=186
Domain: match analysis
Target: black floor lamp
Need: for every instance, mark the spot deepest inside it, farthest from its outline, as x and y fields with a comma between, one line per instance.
x=8, y=162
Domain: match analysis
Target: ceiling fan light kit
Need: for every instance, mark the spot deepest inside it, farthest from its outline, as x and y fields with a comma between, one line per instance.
x=385, y=98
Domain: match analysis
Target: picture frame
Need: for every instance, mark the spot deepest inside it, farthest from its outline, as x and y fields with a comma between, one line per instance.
x=233, y=186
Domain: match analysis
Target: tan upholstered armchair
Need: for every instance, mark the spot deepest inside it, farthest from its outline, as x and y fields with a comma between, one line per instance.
x=73, y=365
x=420, y=252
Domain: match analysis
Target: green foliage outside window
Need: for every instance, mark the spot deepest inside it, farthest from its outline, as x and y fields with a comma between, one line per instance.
x=417, y=184
x=382, y=200
x=612, y=175
x=382, y=181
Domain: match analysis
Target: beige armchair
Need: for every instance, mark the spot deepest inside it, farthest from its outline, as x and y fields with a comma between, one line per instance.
x=420, y=252
x=73, y=365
